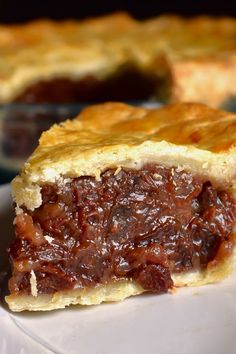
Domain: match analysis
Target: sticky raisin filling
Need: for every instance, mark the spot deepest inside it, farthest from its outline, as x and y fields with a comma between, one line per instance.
x=129, y=84
x=142, y=225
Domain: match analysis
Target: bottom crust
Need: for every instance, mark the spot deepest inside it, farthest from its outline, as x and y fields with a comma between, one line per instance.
x=112, y=292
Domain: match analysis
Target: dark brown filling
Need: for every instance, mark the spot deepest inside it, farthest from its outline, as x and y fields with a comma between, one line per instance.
x=130, y=84
x=140, y=225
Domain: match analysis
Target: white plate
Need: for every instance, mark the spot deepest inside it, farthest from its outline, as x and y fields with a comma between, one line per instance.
x=191, y=321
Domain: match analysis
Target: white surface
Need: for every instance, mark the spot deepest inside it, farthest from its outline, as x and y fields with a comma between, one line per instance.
x=191, y=321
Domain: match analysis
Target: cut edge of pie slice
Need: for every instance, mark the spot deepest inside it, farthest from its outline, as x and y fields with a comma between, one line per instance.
x=123, y=200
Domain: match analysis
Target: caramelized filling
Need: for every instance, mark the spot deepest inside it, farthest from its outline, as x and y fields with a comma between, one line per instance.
x=130, y=84
x=141, y=225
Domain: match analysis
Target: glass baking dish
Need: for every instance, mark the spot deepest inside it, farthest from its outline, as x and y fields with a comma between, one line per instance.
x=20, y=128
x=22, y=124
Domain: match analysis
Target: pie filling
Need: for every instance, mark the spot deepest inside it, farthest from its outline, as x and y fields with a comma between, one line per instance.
x=129, y=84
x=142, y=225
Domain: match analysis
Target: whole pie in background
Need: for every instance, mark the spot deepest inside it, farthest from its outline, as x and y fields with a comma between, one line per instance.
x=116, y=57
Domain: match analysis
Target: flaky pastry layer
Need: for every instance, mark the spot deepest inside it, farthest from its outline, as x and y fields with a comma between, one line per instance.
x=197, y=57
x=114, y=135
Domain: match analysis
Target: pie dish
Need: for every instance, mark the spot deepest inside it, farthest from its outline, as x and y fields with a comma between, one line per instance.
x=123, y=200
x=119, y=58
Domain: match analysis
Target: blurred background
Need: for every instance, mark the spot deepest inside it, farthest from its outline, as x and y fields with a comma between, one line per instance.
x=21, y=125
x=20, y=11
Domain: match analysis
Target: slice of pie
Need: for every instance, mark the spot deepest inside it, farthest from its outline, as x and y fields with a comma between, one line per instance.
x=116, y=57
x=123, y=200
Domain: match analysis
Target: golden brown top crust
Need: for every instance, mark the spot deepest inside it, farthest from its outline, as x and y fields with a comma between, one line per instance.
x=203, y=34
x=114, y=135
x=116, y=123
x=44, y=49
